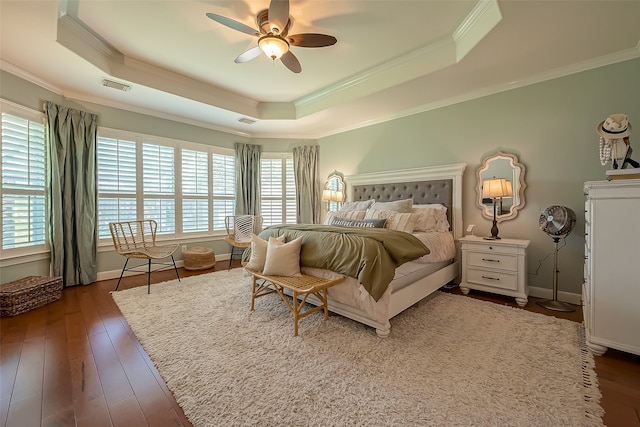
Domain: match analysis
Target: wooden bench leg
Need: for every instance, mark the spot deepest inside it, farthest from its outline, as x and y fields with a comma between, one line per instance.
x=296, y=313
x=253, y=292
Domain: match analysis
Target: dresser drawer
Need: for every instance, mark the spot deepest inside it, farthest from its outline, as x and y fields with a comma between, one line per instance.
x=495, y=279
x=493, y=260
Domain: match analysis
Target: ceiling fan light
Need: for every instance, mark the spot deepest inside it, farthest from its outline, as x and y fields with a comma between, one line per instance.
x=273, y=46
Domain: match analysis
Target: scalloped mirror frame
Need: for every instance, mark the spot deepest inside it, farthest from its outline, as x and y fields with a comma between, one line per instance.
x=335, y=180
x=517, y=181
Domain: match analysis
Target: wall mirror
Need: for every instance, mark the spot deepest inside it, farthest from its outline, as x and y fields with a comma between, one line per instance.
x=501, y=165
x=334, y=191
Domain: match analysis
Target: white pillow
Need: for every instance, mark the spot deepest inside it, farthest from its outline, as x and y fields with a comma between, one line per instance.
x=259, y=252
x=397, y=205
x=343, y=214
x=283, y=259
x=401, y=221
x=431, y=217
x=356, y=206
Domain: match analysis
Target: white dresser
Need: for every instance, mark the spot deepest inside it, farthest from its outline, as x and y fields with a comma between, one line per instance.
x=611, y=290
x=498, y=266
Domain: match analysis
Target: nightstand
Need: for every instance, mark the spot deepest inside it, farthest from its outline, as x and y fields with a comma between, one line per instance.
x=498, y=266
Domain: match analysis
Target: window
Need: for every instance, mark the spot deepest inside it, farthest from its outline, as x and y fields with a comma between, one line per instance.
x=116, y=183
x=195, y=191
x=278, y=198
x=158, y=178
x=23, y=180
x=187, y=188
x=224, y=189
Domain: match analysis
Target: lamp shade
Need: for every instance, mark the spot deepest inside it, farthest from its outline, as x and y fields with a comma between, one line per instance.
x=326, y=195
x=495, y=187
x=273, y=46
x=509, y=190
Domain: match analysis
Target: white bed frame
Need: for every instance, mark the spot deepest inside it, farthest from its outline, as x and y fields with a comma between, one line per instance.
x=414, y=292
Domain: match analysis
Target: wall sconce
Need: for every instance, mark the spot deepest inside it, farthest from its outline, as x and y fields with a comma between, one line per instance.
x=496, y=188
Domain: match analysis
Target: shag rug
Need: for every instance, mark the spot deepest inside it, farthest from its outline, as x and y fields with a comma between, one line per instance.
x=450, y=361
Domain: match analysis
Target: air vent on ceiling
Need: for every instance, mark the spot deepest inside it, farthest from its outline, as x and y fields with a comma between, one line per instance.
x=115, y=85
x=246, y=120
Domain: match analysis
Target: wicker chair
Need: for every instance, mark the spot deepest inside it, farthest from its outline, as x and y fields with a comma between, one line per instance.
x=137, y=239
x=239, y=231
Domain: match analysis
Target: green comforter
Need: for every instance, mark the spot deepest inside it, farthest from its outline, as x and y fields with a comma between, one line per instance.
x=370, y=255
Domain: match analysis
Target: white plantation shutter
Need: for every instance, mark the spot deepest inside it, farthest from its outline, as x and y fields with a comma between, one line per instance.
x=158, y=170
x=158, y=178
x=195, y=191
x=23, y=182
x=224, y=188
x=277, y=188
x=271, y=191
x=116, y=183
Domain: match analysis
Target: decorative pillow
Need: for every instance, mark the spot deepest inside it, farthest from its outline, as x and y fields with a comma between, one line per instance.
x=365, y=223
x=404, y=206
x=283, y=259
x=356, y=206
x=400, y=221
x=259, y=252
x=328, y=220
x=431, y=217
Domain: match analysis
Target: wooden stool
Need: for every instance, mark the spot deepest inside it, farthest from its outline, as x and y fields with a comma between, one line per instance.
x=303, y=285
x=198, y=258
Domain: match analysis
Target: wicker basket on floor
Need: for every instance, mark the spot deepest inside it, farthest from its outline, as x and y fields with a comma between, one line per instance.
x=28, y=293
x=198, y=258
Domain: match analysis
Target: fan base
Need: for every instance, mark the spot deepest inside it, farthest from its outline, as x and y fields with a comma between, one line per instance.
x=556, y=305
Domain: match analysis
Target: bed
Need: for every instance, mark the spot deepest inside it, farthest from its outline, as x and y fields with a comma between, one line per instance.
x=414, y=280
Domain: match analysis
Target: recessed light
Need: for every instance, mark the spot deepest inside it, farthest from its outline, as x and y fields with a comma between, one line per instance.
x=246, y=120
x=115, y=85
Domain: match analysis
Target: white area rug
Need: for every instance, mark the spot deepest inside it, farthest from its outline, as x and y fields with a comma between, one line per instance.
x=449, y=361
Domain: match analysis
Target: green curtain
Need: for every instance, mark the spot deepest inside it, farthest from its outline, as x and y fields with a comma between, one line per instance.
x=306, y=160
x=71, y=141
x=248, y=179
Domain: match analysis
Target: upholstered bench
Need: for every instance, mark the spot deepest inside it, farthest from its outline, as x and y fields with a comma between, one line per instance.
x=198, y=258
x=300, y=286
x=28, y=293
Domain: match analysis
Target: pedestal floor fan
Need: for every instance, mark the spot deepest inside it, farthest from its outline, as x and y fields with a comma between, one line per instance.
x=557, y=222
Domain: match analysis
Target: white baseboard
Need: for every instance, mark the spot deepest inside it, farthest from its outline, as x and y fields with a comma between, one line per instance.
x=114, y=274
x=545, y=293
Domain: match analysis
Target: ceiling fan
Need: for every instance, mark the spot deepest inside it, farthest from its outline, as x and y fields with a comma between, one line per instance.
x=273, y=35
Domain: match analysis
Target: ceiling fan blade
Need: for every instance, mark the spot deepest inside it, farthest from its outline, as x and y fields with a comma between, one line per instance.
x=248, y=55
x=291, y=62
x=278, y=15
x=232, y=23
x=311, y=40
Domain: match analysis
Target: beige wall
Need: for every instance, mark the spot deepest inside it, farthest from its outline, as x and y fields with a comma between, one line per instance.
x=550, y=126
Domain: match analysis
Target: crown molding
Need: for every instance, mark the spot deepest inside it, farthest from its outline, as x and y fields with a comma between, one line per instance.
x=443, y=52
x=80, y=97
x=481, y=20
x=24, y=75
x=602, y=61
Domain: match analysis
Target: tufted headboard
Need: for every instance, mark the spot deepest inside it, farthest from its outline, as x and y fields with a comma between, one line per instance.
x=435, y=184
x=422, y=192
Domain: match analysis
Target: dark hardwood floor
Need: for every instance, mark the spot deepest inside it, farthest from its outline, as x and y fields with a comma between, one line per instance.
x=75, y=362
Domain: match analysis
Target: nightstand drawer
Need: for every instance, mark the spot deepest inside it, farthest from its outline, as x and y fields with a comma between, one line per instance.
x=495, y=279
x=493, y=260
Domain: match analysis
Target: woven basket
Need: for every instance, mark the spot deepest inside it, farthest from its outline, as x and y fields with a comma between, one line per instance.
x=28, y=293
x=198, y=258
